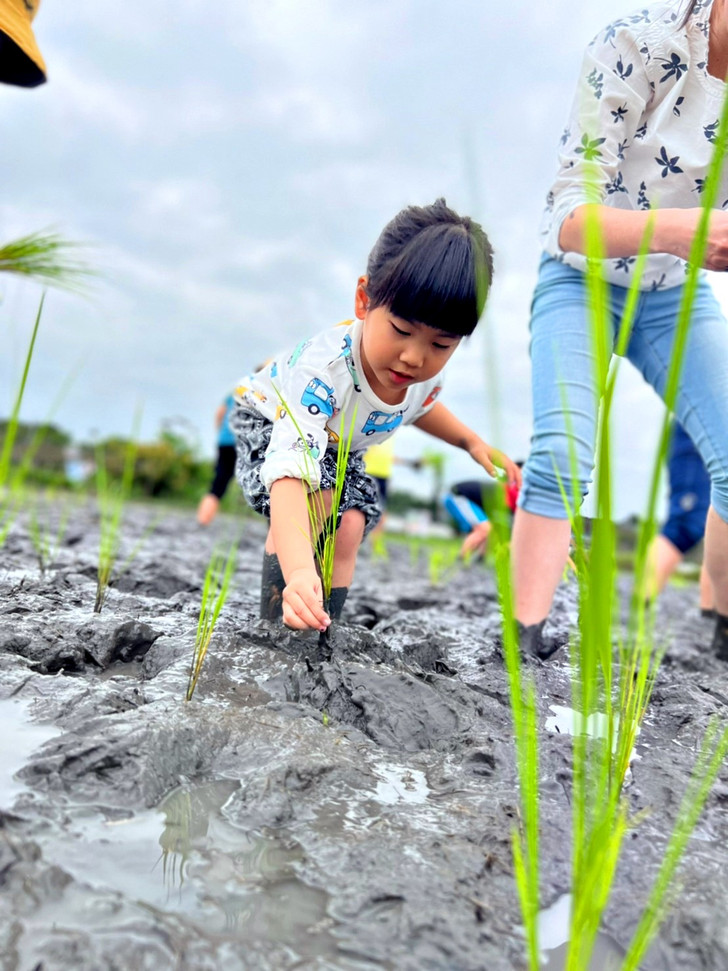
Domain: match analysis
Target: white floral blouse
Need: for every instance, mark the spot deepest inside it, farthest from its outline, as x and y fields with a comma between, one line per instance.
x=646, y=115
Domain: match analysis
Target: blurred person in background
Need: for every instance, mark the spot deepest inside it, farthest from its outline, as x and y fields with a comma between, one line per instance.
x=224, y=468
x=684, y=528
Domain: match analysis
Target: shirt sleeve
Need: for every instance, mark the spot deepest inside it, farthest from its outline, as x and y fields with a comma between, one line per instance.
x=307, y=400
x=611, y=97
x=429, y=401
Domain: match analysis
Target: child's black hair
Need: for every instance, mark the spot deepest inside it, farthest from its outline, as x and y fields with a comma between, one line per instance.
x=431, y=266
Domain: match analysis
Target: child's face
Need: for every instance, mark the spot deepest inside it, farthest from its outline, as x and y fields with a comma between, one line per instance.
x=396, y=353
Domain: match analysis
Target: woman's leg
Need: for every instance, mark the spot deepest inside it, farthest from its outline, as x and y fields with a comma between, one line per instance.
x=565, y=406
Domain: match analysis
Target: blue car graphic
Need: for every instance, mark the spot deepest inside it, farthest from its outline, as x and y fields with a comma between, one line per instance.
x=319, y=397
x=381, y=421
x=297, y=352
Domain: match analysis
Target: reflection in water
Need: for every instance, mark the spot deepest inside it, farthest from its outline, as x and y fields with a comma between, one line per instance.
x=553, y=939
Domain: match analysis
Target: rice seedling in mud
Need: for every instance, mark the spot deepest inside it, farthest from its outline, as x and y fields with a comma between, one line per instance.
x=620, y=691
x=215, y=590
x=45, y=536
x=112, y=497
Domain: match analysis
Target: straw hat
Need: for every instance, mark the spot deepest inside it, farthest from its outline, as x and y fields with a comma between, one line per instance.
x=21, y=61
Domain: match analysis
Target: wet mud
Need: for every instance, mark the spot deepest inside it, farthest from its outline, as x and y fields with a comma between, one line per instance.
x=343, y=808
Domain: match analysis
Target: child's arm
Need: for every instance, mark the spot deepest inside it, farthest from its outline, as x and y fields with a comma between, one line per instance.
x=441, y=423
x=291, y=535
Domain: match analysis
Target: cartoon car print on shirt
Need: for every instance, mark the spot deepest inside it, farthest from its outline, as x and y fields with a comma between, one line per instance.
x=274, y=369
x=319, y=398
x=309, y=446
x=349, y=359
x=382, y=421
x=297, y=352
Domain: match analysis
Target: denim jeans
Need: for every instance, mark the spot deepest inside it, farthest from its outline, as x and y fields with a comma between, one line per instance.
x=562, y=361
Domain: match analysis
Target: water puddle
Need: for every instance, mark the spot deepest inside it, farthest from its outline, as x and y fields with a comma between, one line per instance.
x=184, y=857
x=20, y=736
x=566, y=721
x=400, y=785
x=553, y=939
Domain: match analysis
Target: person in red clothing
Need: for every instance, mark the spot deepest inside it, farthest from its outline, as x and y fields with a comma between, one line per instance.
x=466, y=502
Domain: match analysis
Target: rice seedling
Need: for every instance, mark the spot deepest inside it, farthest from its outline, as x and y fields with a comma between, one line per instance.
x=215, y=590
x=111, y=497
x=47, y=257
x=600, y=812
x=46, y=539
x=379, y=548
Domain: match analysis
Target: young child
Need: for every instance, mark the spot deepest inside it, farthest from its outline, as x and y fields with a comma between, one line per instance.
x=424, y=290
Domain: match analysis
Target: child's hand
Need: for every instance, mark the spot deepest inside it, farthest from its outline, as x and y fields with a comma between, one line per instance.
x=303, y=601
x=490, y=457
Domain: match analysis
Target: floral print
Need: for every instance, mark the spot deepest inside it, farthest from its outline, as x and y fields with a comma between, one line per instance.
x=641, y=131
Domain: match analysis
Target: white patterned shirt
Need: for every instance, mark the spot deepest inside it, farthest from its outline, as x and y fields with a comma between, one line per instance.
x=322, y=383
x=646, y=116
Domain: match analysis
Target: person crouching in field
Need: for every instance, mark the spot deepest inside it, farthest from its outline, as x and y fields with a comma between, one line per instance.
x=424, y=290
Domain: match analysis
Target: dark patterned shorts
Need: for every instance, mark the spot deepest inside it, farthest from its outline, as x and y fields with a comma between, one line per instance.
x=252, y=436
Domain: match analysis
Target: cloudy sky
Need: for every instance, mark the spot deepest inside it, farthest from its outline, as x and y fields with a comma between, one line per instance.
x=230, y=166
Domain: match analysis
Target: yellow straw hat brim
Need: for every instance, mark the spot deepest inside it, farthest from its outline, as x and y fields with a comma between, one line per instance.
x=15, y=20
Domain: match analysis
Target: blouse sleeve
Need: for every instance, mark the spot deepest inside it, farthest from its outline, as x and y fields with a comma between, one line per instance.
x=612, y=94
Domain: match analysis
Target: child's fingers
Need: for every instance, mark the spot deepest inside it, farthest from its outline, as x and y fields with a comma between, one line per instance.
x=302, y=611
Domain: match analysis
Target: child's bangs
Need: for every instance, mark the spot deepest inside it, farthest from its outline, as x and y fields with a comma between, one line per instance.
x=434, y=282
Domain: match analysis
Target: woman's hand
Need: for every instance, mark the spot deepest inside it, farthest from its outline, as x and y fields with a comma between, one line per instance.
x=303, y=601
x=490, y=457
x=675, y=230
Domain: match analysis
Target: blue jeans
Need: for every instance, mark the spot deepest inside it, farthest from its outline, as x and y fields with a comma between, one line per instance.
x=562, y=365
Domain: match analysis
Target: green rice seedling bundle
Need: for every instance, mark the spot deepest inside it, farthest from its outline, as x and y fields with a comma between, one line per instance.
x=45, y=538
x=112, y=497
x=215, y=590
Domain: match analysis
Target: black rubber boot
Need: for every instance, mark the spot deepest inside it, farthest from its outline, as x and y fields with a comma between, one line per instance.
x=336, y=602
x=708, y=613
x=532, y=642
x=271, y=588
x=720, y=637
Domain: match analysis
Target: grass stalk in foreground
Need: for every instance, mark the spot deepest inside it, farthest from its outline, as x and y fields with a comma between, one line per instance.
x=10, y=484
x=525, y=729
x=215, y=590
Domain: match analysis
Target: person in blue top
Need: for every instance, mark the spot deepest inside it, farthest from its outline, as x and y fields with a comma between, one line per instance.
x=225, y=466
x=635, y=156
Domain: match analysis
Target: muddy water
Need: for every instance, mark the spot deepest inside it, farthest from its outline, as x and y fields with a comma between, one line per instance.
x=347, y=811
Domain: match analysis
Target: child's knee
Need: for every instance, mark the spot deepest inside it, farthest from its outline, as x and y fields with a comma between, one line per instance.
x=351, y=530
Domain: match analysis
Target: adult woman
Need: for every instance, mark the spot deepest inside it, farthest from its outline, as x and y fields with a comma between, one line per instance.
x=645, y=116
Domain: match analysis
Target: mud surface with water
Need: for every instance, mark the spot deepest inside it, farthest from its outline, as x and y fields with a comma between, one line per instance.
x=346, y=813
